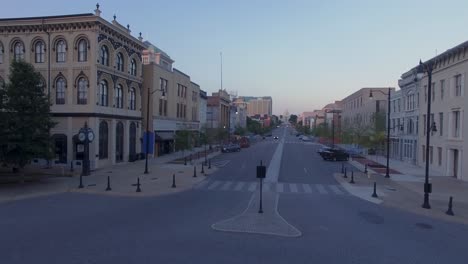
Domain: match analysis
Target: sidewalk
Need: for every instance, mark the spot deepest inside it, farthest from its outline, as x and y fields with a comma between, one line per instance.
x=123, y=179
x=405, y=189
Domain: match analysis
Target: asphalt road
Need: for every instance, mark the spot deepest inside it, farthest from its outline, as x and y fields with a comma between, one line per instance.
x=336, y=227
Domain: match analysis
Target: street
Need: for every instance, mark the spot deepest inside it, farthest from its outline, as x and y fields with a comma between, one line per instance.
x=333, y=226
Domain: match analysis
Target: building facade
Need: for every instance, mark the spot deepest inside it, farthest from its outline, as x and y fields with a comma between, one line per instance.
x=448, y=148
x=172, y=110
x=202, y=109
x=218, y=110
x=256, y=105
x=92, y=72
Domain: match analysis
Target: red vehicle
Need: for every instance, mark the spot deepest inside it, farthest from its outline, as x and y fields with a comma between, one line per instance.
x=244, y=142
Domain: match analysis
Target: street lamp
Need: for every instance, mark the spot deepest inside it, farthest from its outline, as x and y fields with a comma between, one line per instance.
x=427, y=68
x=387, y=174
x=148, y=123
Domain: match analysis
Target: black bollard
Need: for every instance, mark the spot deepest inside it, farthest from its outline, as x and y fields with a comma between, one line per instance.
x=365, y=168
x=108, y=184
x=71, y=166
x=81, y=182
x=450, y=211
x=194, y=171
x=374, y=194
x=173, y=181
x=352, y=177
x=345, y=173
x=202, y=169
x=342, y=168
x=209, y=164
x=138, y=185
x=185, y=161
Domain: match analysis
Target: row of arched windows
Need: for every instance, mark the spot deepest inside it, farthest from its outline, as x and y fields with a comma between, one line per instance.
x=39, y=49
x=104, y=56
x=103, y=93
x=119, y=140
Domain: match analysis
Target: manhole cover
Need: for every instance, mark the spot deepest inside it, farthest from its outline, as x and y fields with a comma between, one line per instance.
x=372, y=218
x=424, y=226
x=153, y=179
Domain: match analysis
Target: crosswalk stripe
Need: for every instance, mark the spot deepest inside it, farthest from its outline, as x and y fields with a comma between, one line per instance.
x=226, y=185
x=335, y=189
x=201, y=184
x=252, y=186
x=306, y=188
x=213, y=185
x=321, y=189
x=239, y=186
x=279, y=187
x=293, y=187
x=266, y=187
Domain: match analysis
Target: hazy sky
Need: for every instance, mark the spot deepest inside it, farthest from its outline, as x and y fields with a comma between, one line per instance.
x=304, y=54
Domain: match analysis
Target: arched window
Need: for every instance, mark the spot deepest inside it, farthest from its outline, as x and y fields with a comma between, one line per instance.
x=104, y=55
x=132, y=142
x=39, y=52
x=119, y=140
x=2, y=51
x=61, y=51
x=119, y=96
x=82, y=50
x=132, y=99
x=82, y=95
x=18, y=51
x=120, y=62
x=133, y=68
x=60, y=86
x=103, y=92
x=103, y=140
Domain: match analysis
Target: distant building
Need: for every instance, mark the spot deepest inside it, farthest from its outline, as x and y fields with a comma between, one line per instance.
x=202, y=109
x=256, y=105
x=218, y=110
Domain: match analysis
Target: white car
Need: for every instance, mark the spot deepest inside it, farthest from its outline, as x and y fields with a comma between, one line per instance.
x=305, y=138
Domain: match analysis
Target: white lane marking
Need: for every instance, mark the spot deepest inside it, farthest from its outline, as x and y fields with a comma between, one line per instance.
x=321, y=189
x=335, y=189
x=226, y=185
x=239, y=186
x=293, y=187
x=305, y=170
x=273, y=170
x=214, y=185
x=201, y=184
x=306, y=188
x=266, y=187
x=279, y=187
x=252, y=186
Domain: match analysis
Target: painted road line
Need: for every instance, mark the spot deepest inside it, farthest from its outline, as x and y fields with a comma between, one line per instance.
x=201, y=184
x=305, y=170
x=214, y=185
x=335, y=189
x=279, y=187
x=226, y=185
x=239, y=186
x=306, y=188
x=321, y=189
x=293, y=187
x=266, y=187
x=252, y=186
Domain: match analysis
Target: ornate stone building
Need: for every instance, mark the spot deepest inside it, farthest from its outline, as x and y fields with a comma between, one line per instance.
x=92, y=72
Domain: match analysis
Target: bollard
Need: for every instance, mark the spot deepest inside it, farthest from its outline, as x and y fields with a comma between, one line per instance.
x=352, y=177
x=81, y=182
x=374, y=194
x=202, y=169
x=209, y=164
x=342, y=168
x=449, y=211
x=138, y=185
x=108, y=184
x=365, y=168
x=345, y=173
x=185, y=161
x=71, y=166
x=194, y=171
x=173, y=181
x=261, y=162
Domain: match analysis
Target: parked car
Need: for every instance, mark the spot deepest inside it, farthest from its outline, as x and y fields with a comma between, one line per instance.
x=244, y=142
x=231, y=148
x=322, y=150
x=334, y=154
x=305, y=138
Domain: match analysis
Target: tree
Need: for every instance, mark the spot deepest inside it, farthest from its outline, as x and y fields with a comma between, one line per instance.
x=293, y=119
x=183, y=140
x=25, y=121
x=240, y=131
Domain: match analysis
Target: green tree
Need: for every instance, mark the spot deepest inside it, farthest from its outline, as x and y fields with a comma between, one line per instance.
x=25, y=120
x=183, y=140
x=240, y=131
x=293, y=119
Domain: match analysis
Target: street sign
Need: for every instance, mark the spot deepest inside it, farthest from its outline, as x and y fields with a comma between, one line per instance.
x=261, y=172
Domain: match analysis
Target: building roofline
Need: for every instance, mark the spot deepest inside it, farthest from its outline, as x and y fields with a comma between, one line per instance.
x=178, y=71
x=46, y=17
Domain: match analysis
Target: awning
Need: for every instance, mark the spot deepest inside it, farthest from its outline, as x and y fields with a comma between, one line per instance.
x=164, y=136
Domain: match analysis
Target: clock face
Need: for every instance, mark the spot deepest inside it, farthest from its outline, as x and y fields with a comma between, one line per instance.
x=81, y=136
x=90, y=136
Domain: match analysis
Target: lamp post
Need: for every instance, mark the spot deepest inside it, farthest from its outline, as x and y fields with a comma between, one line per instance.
x=387, y=173
x=148, y=124
x=427, y=68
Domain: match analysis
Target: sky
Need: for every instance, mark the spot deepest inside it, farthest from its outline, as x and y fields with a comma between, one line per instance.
x=305, y=54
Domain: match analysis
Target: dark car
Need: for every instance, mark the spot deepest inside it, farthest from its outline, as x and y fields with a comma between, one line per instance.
x=231, y=148
x=334, y=154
